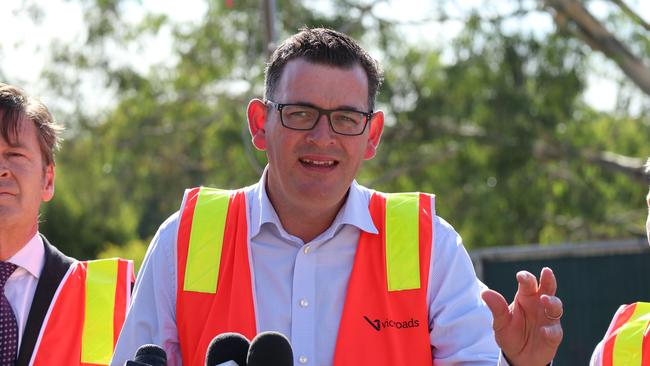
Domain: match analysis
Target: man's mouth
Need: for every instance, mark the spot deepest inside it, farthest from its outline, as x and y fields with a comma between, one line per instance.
x=7, y=191
x=319, y=163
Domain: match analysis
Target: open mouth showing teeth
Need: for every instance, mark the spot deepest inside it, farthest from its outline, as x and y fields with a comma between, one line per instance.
x=319, y=163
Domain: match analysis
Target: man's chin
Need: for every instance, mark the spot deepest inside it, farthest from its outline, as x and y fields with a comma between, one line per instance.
x=322, y=196
x=9, y=215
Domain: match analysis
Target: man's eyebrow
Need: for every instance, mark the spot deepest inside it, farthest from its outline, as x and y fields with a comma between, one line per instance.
x=340, y=107
x=16, y=143
x=351, y=108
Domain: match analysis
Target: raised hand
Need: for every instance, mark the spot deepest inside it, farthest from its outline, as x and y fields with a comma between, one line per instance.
x=528, y=330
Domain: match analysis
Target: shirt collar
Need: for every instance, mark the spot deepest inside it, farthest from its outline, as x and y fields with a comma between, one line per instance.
x=31, y=257
x=353, y=212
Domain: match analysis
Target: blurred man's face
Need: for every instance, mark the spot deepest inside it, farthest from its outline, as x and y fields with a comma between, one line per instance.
x=25, y=180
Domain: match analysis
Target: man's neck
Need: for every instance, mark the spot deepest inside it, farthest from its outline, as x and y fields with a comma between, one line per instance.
x=303, y=221
x=306, y=226
x=13, y=239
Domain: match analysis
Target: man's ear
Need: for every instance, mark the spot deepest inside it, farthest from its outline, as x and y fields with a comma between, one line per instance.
x=256, y=112
x=48, y=183
x=376, y=126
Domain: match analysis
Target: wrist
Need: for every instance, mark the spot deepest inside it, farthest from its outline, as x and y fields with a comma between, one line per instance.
x=510, y=363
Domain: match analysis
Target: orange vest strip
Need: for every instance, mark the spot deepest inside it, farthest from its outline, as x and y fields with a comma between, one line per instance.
x=386, y=322
x=214, y=293
x=385, y=315
x=627, y=342
x=86, y=314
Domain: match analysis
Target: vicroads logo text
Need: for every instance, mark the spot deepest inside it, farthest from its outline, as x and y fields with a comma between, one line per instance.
x=388, y=323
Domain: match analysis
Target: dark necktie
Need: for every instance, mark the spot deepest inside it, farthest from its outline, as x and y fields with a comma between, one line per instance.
x=8, y=324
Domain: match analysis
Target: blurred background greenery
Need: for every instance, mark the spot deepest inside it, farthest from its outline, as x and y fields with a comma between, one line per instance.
x=494, y=119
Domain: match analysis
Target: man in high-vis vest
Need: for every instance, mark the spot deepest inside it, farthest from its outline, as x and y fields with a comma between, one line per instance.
x=350, y=275
x=627, y=340
x=54, y=310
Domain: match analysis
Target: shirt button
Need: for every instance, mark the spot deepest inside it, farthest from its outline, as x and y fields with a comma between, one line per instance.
x=304, y=303
x=302, y=359
x=306, y=249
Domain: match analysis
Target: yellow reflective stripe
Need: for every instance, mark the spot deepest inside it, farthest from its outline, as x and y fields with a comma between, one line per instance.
x=402, y=241
x=206, y=240
x=97, y=336
x=629, y=340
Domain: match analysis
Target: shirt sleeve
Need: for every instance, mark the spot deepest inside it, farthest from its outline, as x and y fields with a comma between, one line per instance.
x=460, y=322
x=152, y=315
x=597, y=356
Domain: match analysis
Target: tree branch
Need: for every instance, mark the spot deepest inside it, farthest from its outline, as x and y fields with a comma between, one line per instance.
x=630, y=166
x=629, y=12
x=586, y=27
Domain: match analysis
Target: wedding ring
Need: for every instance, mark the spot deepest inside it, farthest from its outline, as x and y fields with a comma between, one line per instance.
x=548, y=316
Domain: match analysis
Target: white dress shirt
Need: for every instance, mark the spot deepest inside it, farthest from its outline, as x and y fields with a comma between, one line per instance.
x=21, y=285
x=597, y=356
x=299, y=288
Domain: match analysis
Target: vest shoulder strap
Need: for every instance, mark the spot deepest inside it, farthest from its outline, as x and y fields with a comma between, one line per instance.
x=86, y=314
x=402, y=241
x=202, y=226
x=214, y=283
x=627, y=341
x=386, y=305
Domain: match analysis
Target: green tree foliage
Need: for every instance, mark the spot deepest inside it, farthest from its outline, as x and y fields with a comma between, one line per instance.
x=500, y=133
x=133, y=249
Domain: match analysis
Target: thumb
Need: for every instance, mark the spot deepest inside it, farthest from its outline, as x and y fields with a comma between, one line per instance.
x=499, y=308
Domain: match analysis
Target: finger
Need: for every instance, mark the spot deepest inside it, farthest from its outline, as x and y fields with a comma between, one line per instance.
x=527, y=284
x=499, y=308
x=553, y=334
x=547, y=282
x=553, y=308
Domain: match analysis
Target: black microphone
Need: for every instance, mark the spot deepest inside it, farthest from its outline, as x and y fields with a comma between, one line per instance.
x=149, y=355
x=270, y=349
x=227, y=347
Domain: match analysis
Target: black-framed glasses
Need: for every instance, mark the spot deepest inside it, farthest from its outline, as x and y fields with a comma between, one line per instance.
x=303, y=117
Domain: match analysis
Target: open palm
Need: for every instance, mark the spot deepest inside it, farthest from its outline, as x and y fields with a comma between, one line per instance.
x=528, y=330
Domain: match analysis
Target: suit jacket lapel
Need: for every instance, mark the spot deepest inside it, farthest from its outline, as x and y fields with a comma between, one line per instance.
x=55, y=266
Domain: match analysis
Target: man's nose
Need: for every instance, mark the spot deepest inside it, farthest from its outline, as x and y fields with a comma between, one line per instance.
x=4, y=166
x=322, y=132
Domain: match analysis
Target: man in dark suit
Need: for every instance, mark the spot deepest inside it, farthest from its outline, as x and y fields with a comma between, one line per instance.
x=28, y=138
x=32, y=271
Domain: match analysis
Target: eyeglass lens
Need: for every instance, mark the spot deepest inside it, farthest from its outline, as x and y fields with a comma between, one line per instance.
x=305, y=118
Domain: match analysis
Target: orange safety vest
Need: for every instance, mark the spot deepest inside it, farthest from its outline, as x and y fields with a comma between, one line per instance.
x=627, y=341
x=385, y=315
x=86, y=314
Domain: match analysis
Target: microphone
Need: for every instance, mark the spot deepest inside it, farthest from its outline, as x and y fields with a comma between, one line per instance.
x=149, y=355
x=270, y=349
x=227, y=347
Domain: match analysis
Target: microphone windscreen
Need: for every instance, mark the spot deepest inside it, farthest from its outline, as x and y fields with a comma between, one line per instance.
x=227, y=347
x=151, y=354
x=270, y=348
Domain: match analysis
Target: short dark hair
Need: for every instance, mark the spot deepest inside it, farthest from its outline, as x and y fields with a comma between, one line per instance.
x=14, y=105
x=322, y=46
